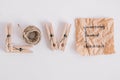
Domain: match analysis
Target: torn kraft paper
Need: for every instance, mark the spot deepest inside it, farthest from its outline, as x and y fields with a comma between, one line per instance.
x=94, y=36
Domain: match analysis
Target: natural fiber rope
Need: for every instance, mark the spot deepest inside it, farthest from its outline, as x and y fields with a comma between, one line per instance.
x=32, y=35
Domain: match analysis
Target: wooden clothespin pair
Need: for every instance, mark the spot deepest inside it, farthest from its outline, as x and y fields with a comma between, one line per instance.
x=13, y=48
x=63, y=41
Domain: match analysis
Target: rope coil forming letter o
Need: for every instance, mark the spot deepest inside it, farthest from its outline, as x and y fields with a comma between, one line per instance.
x=32, y=35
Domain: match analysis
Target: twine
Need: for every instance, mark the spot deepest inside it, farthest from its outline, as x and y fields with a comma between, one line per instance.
x=32, y=35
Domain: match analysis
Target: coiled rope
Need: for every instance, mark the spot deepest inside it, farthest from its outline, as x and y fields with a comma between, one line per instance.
x=32, y=35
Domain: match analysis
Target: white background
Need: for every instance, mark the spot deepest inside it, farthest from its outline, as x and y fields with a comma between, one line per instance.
x=44, y=64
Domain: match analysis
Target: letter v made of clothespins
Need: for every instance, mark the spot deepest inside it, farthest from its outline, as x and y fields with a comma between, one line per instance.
x=63, y=41
x=14, y=48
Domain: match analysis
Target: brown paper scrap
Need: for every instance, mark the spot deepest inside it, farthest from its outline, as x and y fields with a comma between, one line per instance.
x=94, y=36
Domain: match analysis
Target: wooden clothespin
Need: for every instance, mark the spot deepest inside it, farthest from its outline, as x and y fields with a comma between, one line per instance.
x=10, y=47
x=19, y=49
x=8, y=31
x=51, y=36
x=64, y=37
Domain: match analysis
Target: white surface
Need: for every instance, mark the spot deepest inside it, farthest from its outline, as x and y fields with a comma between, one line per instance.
x=45, y=64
